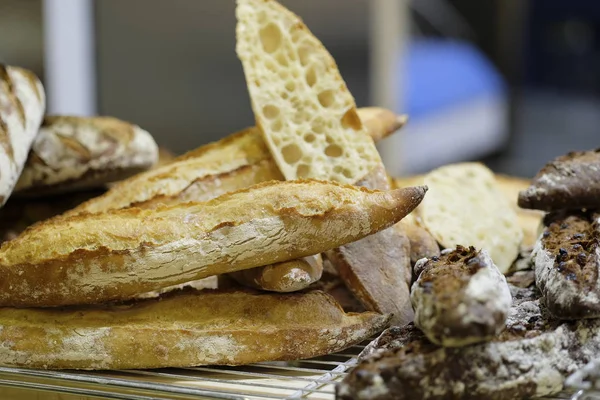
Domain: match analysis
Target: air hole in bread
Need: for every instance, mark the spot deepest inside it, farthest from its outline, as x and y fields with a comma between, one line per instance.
x=317, y=127
x=309, y=138
x=285, y=95
x=347, y=173
x=290, y=86
x=302, y=171
x=291, y=153
x=281, y=59
x=277, y=125
x=270, y=38
x=311, y=77
x=328, y=139
x=304, y=53
x=270, y=111
x=284, y=74
x=337, y=169
x=326, y=98
x=271, y=66
x=350, y=120
x=333, y=150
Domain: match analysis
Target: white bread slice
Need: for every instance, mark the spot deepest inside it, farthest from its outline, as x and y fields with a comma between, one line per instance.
x=307, y=114
x=465, y=206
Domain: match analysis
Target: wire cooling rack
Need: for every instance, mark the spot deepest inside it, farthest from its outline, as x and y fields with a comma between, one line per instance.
x=313, y=379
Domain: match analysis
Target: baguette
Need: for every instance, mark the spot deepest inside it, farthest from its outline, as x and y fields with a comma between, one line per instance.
x=460, y=298
x=74, y=153
x=531, y=358
x=284, y=277
x=118, y=254
x=22, y=105
x=569, y=182
x=232, y=163
x=567, y=261
x=182, y=329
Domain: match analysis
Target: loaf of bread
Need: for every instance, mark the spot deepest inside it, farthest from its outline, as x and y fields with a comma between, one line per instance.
x=567, y=261
x=284, y=277
x=182, y=329
x=233, y=163
x=422, y=244
x=460, y=298
x=531, y=358
x=568, y=182
x=22, y=106
x=74, y=153
x=302, y=105
x=118, y=254
x=464, y=206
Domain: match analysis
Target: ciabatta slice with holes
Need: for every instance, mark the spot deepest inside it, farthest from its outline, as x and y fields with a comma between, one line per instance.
x=22, y=105
x=300, y=101
x=464, y=206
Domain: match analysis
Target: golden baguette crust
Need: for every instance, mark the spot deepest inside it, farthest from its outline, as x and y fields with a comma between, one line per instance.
x=284, y=277
x=115, y=255
x=182, y=329
x=235, y=162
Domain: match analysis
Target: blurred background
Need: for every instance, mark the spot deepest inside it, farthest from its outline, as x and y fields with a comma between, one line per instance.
x=512, y=83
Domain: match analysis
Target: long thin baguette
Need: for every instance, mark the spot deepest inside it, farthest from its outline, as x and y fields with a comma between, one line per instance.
x=22, y=105
x=118, y=254
x=235, y=162
x=284, y=277
x=182, y=329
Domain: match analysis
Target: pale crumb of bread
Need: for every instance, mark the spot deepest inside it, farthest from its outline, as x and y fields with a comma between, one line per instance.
x=307, y=115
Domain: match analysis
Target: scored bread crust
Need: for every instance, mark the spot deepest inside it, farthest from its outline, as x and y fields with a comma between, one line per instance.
x=284, y=277
x=301, y=103
x=117, y=254
x=74, y=153
x=531, y=358
x=235, y=162
x=22, y=106
x=182, y=329
x=464, y=206
x=460, y=298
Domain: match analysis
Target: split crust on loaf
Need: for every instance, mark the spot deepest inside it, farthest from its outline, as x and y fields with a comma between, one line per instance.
x=460, y=298
x=73, y=153
x=531, y=358
x=182, y=329
x=116, y=255
x=235, y=162
x=22, y=106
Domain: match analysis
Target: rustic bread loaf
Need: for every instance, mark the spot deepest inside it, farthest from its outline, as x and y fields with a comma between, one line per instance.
x=230, y=164
x=284, y=277
x=465, y=207
x=460, y=298
x=118, y=254
x=422, y=244
x=182, y=329
x=531, y=358
x=22, y=106
x=568, y=182
x=567, y=262
x=74, y=153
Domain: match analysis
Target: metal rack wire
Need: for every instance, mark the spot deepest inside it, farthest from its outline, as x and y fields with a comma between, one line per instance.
x=313, y=379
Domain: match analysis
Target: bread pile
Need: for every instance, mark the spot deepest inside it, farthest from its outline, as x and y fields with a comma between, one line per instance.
x=477, y=334
x=113, y=260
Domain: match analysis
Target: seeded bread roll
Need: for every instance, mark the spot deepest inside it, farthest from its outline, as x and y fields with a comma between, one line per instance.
x=460, y=298
x=22, y=106
x=119, y=254
x=284, y=277
x=568, y=182
x=182, y=329
x=531, y=358
x=74, y=153
x=567, y=260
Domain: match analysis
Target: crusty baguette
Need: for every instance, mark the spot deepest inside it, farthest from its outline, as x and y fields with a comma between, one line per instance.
x=531, y=358
x=381, y=122
x=567, y=264
x=182, y=329
x=465, y=207
x=460, y=298
x=22, y=106
x=571, y=181
x=74, y=153
x=235, y=162
x=302, y=105
x=118, y=254
x=283, y=277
